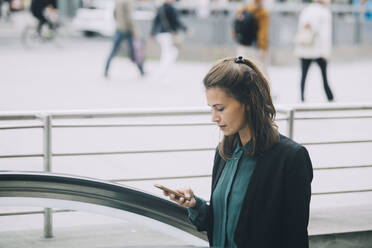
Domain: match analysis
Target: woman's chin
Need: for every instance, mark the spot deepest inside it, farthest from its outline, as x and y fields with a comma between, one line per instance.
x=227, y=133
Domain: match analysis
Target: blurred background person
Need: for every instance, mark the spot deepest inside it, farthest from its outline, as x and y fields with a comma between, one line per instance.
x=1, y=8
x=166, y=27
x=125, y=30
x=39, y=9
x=314, y=41
x=5, y=10
x=251, y=31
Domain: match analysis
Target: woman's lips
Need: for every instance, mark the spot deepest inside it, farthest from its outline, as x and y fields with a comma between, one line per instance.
x=222, y=127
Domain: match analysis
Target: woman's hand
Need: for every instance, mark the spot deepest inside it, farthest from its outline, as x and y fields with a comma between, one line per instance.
x=182, y=201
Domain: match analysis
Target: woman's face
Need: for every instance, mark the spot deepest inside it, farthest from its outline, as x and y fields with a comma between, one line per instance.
x=227, y=112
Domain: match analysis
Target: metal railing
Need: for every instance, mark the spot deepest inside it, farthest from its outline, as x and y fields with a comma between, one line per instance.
x=345, y=109
x=287, y=114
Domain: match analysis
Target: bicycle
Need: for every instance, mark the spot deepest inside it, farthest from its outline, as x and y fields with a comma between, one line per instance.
x=31, y=37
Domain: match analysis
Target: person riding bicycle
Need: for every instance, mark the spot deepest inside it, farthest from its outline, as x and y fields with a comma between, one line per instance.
x=38, y=8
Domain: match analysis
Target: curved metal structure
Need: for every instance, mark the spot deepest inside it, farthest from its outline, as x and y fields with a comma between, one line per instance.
x=101, y=193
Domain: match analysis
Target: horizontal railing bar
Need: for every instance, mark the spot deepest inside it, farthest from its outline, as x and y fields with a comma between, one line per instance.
x=136, y=125
x=162, y=112
x=342, y=192
x=130, y=113
x=343, y=167
x=142, y=125
x=13, y=117
x=162, y=151
x=173, y=124
x=333, y=118
x=168, y=111
x=22, y=156
x=35, y=212
x=157, y=178
x=131, y=152
x=336, y=142
x=332, y=107
x=20, y=127
x=282, y=110
x=281, y=119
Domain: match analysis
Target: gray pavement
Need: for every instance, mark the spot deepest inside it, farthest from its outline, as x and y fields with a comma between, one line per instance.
x=71, y=77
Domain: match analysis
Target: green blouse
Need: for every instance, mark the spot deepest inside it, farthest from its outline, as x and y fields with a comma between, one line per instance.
x=227, y=197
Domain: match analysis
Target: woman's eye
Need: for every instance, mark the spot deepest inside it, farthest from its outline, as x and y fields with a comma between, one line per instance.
x=220, y=109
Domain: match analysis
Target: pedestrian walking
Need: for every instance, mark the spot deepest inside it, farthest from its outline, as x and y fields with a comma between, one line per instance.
x=5, y=10
x=125, y=30
x=314, y=41
x=251, y=31
x=261, y=180
x=1, y=9
x=167, y=28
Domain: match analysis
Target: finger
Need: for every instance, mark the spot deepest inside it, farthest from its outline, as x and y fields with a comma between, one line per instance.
x=182, y=202
x=173, y=197
x=189, y=193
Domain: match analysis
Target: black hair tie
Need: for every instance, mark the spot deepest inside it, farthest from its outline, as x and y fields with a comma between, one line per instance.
x=239, y=60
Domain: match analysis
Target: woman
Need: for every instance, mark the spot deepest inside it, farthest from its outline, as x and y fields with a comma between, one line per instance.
x=314, y=42
x=261, y=180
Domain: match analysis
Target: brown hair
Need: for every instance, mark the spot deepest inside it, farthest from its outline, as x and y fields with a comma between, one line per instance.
x=241, y=79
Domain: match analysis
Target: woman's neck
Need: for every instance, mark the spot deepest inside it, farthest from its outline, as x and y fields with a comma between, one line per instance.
x=245, y=136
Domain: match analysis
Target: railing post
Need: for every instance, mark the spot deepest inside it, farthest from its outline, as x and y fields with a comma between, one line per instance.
x=48, y=218
x=48, y=223
x=291, y=123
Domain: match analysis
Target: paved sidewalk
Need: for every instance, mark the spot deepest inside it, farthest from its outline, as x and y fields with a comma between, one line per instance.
x=71, y=77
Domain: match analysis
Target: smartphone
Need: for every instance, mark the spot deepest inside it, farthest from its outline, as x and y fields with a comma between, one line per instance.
x=169, y=191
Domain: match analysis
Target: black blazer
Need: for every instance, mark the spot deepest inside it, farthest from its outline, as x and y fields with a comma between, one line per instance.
x=275, y=211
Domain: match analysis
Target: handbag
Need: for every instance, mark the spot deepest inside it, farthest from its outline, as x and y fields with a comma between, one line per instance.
x=137, y=52
x=305, y=36
x=138, y=55
x=177, y=39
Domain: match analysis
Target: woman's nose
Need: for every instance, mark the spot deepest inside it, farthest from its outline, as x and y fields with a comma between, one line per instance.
x=215, y=116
